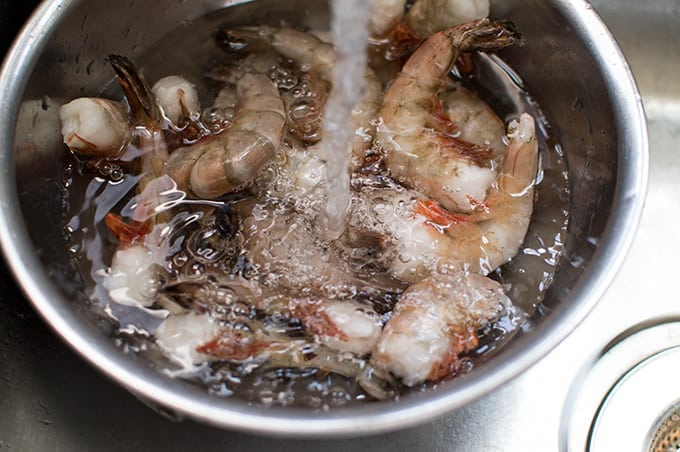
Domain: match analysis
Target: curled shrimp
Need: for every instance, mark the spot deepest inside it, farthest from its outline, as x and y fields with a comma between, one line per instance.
x=313, y=55
x=309, y=280
x=343, y=325
x=417, y=155
x=434, y=322
x=303, y=92
x=414, y=236
x=227, y=162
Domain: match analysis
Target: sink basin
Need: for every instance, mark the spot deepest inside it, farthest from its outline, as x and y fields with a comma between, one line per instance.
x=51, y=400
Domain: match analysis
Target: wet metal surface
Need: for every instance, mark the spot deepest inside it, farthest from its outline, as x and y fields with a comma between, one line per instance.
x=50, y=399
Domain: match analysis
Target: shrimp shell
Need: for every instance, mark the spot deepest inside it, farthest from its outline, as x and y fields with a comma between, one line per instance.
x=226, y=163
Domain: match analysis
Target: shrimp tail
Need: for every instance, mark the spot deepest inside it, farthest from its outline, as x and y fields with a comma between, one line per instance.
x=520, y=163
x=127, y=234
x=230, y=41
x=461, y=342
x=142, y=102
x=485, y=35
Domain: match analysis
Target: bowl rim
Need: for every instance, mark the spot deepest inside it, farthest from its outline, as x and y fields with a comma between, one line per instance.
x=187, y=400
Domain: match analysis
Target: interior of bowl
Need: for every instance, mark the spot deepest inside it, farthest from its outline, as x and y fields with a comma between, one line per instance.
x=568, y=62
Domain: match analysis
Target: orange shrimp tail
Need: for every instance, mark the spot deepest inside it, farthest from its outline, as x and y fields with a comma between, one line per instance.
x=316, y=321
x=127, y=233
x=401, y=42
x=436, y=215
x=229, y=346
x=465, y=64
x=460, y=343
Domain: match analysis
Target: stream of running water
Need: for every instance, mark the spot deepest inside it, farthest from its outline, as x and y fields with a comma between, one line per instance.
x=350, y=36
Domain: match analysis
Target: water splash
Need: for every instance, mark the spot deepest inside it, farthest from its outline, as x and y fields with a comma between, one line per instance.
x=350, y=36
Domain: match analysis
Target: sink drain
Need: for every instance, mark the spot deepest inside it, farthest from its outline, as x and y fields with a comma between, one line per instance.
x=628, y=398
x=666, y=438
x=632, y=408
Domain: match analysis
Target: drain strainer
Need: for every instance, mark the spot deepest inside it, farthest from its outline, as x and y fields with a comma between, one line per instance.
x=666, y=437
x=629, y=397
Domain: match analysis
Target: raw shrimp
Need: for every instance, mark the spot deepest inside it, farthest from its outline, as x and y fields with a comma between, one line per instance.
x=226, y=163
x=143, y=247
x=313, y=55
x=95, y=127
x=130, y=278
x=304, y=93
x=306, y=278
x=177, y=97
x=192, y=339
x=385, y=14
x=413, y=236
x=425, y=17
x=454, y=173
x=343, y=325
x=434, y=322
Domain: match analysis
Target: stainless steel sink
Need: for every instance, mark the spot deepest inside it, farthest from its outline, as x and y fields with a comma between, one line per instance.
x=51, y=400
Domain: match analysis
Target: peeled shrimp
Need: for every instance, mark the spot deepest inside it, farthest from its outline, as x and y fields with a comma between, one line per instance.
x=419, y=156
x=226, y=163
x=313, y=55
x=413, y=236
x=434, y=322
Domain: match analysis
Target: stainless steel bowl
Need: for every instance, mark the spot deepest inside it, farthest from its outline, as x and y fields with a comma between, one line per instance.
x=575, y=71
